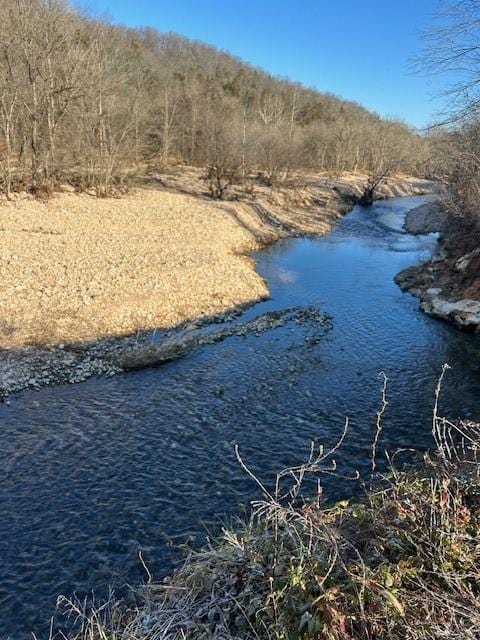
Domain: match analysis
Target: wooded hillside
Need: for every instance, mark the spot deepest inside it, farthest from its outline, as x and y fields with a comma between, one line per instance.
x=85, y=102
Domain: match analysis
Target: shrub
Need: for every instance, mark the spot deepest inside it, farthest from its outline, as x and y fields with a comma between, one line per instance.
x=402, y=563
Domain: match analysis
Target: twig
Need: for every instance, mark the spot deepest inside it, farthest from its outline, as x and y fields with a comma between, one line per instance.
x=378, y=429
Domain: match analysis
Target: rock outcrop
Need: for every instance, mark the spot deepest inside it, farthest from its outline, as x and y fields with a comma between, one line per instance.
x=430, y=217
x=463, y=313
x=440, y=282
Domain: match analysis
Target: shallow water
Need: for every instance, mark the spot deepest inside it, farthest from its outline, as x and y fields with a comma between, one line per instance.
x=92, y=473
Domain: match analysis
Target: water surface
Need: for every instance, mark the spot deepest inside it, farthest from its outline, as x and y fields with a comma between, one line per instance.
x=92, y=473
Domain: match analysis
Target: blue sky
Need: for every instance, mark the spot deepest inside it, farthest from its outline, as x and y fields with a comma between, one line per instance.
x=358, y=49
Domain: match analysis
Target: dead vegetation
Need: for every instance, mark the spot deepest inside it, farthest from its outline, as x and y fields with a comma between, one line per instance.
x=451, y=49
x=86, y=102
x=401, y=563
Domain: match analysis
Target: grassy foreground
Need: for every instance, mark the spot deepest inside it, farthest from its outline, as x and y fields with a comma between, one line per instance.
x=403, y=563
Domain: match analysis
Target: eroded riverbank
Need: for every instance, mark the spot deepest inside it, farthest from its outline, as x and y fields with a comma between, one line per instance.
x=448, y=285
x=85, y=279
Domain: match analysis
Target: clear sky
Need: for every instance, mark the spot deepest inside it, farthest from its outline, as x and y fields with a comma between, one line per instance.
x=358, y=49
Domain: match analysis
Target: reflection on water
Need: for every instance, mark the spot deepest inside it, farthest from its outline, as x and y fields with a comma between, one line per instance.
x=94, y=472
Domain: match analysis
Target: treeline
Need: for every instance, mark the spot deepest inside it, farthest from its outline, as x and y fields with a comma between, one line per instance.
x=452, y=48
x=88, y=103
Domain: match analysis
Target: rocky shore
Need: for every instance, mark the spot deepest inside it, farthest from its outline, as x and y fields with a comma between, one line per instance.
x=36, y=367
x=86, y=280
x=442, y=284
x=430, y=217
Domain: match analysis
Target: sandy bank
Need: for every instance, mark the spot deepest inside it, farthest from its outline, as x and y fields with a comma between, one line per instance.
x=84, y=278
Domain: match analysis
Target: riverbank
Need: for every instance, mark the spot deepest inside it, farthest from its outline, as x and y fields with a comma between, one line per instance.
x=448, y=285
x=100, y=470
x=401, y=563
x=86, y=279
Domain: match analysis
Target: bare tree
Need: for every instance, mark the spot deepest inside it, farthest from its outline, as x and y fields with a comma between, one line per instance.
x=452, y=49
x=86, y=102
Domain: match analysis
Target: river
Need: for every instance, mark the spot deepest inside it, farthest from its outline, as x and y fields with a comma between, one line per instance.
x=92, y=473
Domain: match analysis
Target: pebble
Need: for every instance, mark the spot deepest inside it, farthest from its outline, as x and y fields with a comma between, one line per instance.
x=105, y=270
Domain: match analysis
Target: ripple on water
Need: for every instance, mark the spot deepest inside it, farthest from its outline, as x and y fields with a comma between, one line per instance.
x=94, y=472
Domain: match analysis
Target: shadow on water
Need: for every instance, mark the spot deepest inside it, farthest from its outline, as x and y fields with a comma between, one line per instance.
x=92, y=473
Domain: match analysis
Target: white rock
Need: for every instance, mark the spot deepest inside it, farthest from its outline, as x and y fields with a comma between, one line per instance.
x=464, y=262
x=67, y=188
x=465, y=313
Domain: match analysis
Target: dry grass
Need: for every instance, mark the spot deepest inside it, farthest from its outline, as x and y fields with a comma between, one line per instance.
x=401, y=564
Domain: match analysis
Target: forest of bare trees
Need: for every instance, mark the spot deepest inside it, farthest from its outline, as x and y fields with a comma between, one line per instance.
x=87, y=103
x=452, y=50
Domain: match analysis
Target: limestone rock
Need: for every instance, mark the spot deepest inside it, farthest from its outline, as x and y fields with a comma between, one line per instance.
x=463, y=263
x=427, y=218
x=464, y=313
